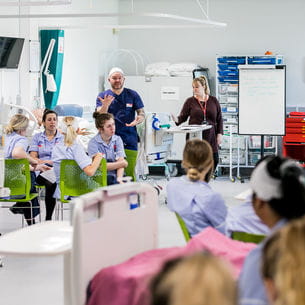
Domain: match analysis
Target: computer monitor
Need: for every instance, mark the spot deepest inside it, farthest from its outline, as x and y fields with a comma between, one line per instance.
x=10, y=52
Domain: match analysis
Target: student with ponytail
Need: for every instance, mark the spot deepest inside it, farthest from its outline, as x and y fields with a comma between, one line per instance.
x=278, y=186
x=15, y=147
x=109, y=144
x=190, y=196
x=71, y=149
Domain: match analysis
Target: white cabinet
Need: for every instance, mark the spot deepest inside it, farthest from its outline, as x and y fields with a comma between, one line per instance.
x=164, y=94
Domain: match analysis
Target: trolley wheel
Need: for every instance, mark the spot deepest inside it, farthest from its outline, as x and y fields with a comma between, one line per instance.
x=144, y=177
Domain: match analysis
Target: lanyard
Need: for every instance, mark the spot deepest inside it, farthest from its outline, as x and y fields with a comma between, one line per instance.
x=203, y=108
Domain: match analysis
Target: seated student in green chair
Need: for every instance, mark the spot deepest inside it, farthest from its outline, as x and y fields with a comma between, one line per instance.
x=71, y=149
x=109, y=144
x=191, y=196
x=15, y=147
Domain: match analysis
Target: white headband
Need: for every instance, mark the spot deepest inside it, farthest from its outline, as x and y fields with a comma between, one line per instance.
x=115, y=70
x=64, y=125
x=263, y=185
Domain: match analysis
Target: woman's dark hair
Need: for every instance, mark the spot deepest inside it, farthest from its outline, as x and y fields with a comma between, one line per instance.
x=292, y=203
x=46, y=112
x=101, y=118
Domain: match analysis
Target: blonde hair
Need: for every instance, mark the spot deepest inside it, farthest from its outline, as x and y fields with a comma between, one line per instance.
x=17, y=123
x=200, y=279
x=203, y=81
x=70, y=133
x=197, y=156
x=283, y=261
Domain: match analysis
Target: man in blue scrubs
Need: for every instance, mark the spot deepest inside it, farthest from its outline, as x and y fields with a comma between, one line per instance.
x=128, y=109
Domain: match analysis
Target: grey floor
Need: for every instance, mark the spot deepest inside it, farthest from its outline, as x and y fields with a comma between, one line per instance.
x=38, y=281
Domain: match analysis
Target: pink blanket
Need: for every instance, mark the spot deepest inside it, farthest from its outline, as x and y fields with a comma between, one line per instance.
x=127, y=283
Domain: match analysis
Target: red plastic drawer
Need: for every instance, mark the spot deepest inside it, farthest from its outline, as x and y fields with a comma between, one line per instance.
x=294, y=137
x=295, y=124
x=296, y=152
x=295, y=120
x=295, y=130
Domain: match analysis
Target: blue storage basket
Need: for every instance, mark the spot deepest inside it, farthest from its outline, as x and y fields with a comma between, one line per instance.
x=228, y=79
x=228, y=73
x=227, y=67
x=232, y=60
x=261, y=60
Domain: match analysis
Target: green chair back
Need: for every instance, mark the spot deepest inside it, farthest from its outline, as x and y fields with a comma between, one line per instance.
x=183, y=227
x=74, y=182
x=247, y=237
x=17, y=178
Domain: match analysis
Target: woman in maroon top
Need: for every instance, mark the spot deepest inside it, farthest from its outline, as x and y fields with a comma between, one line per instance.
x=202, y=108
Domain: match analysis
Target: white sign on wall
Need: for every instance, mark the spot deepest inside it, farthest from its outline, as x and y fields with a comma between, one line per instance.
x=170, y=93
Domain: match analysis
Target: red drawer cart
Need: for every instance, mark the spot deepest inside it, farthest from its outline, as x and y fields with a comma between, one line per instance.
x=294, y=140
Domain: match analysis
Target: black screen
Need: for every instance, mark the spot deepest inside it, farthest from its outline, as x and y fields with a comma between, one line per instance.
x=10, y=52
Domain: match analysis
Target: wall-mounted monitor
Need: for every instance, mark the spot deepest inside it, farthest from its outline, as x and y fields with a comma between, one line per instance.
x=10, y=52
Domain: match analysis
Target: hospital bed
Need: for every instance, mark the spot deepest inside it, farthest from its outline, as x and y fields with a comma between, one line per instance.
x=108, y=226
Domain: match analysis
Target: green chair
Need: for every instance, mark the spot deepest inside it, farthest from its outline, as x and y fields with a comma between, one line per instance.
x=74, y=182
x=247, y=237
x=17, y=178
x=131, y=157
x=183, y=227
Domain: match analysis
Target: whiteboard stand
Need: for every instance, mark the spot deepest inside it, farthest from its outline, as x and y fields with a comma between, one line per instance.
x=262, y=101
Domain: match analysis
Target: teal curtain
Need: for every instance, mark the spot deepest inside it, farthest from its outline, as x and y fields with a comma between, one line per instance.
x=56, y=63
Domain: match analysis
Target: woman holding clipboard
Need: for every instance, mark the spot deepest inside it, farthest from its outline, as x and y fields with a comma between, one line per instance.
x=202, y=108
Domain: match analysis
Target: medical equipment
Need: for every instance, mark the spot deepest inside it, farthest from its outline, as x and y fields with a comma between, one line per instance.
x=157, y=139
x=51, y=84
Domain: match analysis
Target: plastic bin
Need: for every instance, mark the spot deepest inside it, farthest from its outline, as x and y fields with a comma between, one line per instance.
x=227, y=73
x=229, y=109
x=224, y=157
x=235, y=138
x=255, y=156
x=227, y=67
x=228, y=79
x=266, y=60
x=232, y=60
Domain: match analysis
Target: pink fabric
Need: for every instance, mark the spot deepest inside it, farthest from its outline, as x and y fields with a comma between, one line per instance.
x=127, y=283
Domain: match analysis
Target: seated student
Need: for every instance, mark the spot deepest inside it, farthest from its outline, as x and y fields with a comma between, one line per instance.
x=283, y=264
x=110, y=145
x=41, y=150
x=200, y=279
x=191, y=197
x=15, y=147
x=71, y=149
x=242, y=218
x=278, y=197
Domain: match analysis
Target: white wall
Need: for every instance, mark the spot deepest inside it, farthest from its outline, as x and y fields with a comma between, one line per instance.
x=253, y=28
x=86, y=42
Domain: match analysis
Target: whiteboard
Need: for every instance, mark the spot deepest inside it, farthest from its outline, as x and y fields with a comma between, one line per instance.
x=262, y=100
